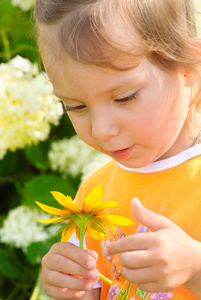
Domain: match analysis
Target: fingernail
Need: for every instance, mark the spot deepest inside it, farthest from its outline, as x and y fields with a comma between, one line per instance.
x=80, y=294
x=137, y=201
x=93, y=274
x=88, y=286
x=91, y=264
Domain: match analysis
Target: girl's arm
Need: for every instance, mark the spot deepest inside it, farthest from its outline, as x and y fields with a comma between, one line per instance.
x=92, y=295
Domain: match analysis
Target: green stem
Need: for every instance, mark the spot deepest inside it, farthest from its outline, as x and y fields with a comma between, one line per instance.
x=147, y=295
x=129, y=288
x=101, y=276
x=6, y=44
x=81, y=238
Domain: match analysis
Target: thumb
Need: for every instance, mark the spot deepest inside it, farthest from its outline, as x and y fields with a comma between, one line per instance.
x=149, y=218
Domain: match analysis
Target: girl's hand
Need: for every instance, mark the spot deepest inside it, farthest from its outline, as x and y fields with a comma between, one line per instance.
x=161, y=260
x=68, y=271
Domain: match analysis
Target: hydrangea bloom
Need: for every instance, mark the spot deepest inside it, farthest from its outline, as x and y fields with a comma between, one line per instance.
x=20, y=228
x=24, y=4
x=27, y=105
x=72, y=156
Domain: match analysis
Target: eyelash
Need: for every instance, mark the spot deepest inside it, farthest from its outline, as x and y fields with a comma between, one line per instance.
x=129, y=98
x=79, y=108
x=73, y=108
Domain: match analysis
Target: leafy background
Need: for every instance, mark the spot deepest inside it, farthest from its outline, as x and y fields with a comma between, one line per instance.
x=29, y=173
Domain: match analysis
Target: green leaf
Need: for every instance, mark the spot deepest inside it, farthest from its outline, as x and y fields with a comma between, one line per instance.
x=38, y=189
x=8, y=267
x=37, y=250
x=37, y=156
x=122, y=294
x=8, y=164
x=139, y=293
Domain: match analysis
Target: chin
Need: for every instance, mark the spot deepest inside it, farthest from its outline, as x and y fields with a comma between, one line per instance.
x=134, y=164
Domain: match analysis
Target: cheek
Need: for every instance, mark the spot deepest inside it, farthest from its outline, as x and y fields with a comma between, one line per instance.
x=82, y=128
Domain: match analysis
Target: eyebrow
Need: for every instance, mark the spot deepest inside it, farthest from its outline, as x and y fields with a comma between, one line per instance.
x=127, y=81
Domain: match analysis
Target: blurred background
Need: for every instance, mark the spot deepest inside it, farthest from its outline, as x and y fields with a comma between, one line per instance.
x=39, y=153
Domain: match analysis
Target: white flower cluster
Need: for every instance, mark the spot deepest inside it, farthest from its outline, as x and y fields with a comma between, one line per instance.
x=72, y=156
x=27, y=105
x=20, y=228
x=24, y=4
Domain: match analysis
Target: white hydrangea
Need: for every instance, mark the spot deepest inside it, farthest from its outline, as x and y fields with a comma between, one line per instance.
x=20, y=228
x=72, y=156
x=24, y=4
x=27, y=105
x=98, y=160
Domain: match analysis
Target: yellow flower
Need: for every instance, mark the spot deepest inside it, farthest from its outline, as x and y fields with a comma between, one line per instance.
x=90, y=217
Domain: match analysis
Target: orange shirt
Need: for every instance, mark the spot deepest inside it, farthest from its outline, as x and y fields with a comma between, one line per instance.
x=174, y=192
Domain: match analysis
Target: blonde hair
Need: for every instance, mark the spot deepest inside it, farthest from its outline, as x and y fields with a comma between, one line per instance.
x=163, y=31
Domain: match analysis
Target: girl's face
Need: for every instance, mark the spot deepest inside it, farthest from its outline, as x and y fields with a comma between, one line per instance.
x=135, y=116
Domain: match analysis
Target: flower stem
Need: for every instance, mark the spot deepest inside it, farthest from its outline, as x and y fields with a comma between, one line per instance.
x=101, y=276
x=81, y=238
x=6, y=44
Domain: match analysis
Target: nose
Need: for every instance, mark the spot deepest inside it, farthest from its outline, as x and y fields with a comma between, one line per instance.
x=104, y=126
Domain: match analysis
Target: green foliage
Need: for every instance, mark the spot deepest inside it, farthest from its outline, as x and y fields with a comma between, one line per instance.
x=38, y=249
x=16, y=32
x=25, y=175
x=38, y=189
x=8, y=268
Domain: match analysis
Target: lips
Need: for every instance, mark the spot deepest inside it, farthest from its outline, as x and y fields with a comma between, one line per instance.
x=123, y=153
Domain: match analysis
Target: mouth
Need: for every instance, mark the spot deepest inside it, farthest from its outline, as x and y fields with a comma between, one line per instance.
x=123, y=153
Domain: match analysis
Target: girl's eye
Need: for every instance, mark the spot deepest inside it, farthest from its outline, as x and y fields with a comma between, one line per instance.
x=77, y=108
x=128, y=98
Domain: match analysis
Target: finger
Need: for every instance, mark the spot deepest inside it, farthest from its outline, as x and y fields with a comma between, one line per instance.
x=92, y=253
x=62, y=294
x=61, y=280
x=149, y=218
x=68, y=266
x=139, y=241
x=74, y=253
x=136, y=259
x=140, y=276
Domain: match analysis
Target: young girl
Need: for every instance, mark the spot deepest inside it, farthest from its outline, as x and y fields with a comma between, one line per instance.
x=128, y=73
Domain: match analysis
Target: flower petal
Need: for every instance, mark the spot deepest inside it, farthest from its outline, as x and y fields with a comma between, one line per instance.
x=93, y=199
x=53, y=220
x=66, y=201
x=52, y=210
x=107, y=204
x=66, y=235
x=115, y=220
x=96, y=235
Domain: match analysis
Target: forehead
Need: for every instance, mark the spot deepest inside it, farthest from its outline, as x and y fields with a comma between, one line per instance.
x=72, y=80
x=116, y=47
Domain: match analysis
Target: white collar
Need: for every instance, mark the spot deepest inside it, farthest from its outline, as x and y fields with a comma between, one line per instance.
x=167, y=163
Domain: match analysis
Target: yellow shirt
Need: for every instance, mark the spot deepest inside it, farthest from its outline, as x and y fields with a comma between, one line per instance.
x=171, y=188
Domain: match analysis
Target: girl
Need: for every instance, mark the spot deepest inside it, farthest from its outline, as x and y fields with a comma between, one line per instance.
x=128, y=73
